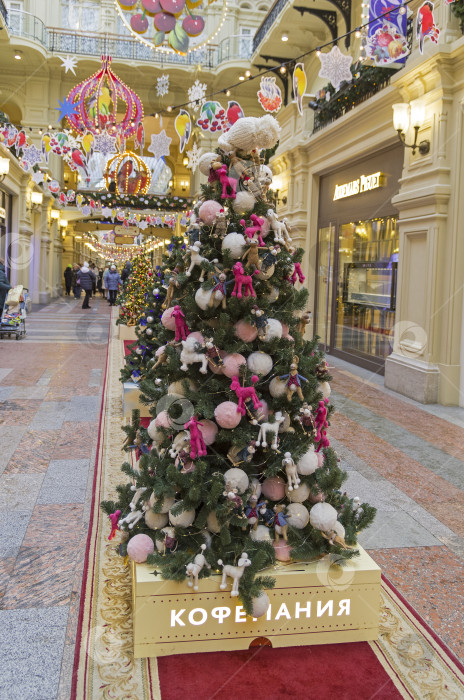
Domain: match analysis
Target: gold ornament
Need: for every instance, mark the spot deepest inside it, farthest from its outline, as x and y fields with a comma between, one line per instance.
x=129, y=173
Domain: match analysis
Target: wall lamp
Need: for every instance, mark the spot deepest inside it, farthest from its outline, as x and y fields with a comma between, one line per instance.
x=36, y=200
x=4, y=168
x=414, y=114
x=54, y=214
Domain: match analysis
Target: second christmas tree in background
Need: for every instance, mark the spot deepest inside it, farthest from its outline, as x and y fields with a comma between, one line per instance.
x=235, y=468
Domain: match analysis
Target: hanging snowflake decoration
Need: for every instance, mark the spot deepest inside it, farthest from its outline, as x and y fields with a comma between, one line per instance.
x=38, y=177
x=104, y=143
x=336, y=67
x=160, y=144
x=194, y=157
x=69, y=63
x=31, y=156
x=197, y=94
x=143, y=224
x=162, y=85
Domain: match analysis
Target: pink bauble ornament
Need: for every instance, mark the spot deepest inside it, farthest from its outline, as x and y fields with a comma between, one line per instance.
x=264, y=409
x=245, y=331
x=226, y=415
x=162, y=420
x=273, y=487
x=282, y=551
x=209, y=210
x=167, y=320
x=198, y=336
x=265, y=228
x=139, y=547
x=320, y=459
x=208, y=429
x=232, y=363
x=285, y=330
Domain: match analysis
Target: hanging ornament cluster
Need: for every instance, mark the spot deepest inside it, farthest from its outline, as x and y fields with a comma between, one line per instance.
x=176, y=25
x=127, y=173
x=99, y=102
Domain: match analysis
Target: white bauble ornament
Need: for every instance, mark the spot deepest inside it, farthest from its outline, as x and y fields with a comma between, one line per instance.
x=308, y=463
x=149, y=331
x=298, y=515
x=299, y=494
x=202, y=297
x=339, y=529
x=169, y=532
x=167, y=504
x=272, y=295
x=184, y=519
x=261, y=534
x=155, y=433
x=155, y=521
x=324, y=387
x=235, y=243
x=138, y=351
x=277, y=388
x=260, y=604
x=150, y=319
x=255, y=487
x=236, y=479
x=204, y=164
x=273, y=331
x=260, y=363
x=212, y=523
x=243, y=203
x=323, y=516
x=266, y=275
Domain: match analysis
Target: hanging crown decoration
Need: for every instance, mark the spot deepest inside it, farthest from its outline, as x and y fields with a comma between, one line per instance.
x=129, y=173
x=98, y=104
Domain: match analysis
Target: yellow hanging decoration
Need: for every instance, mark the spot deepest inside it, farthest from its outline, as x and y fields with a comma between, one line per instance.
x=127, y=173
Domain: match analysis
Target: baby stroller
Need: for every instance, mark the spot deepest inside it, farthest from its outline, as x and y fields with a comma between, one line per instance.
x=13, y=320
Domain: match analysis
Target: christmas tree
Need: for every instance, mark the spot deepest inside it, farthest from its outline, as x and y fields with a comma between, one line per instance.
x=132, y=298
x=236, y=466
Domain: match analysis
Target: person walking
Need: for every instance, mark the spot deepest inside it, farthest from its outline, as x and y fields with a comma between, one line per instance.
x=68, y=278
x=100, y=281
x=76, y=283
x=93, y=269
x=126, y=271
x=5, y=285
x=105, y=276
x=113, y=281
x=87, y=278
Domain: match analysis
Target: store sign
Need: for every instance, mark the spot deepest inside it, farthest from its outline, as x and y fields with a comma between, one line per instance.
x=364, y=183
x=2, y=213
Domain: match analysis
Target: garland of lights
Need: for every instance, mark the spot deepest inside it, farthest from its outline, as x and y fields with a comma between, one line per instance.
x=158, y=202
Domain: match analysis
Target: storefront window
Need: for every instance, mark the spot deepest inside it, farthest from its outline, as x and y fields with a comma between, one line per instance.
x=326, y=245
x=366, y=287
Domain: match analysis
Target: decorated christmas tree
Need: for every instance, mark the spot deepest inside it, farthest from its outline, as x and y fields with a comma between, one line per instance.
x=133, y=296
x=235, y=470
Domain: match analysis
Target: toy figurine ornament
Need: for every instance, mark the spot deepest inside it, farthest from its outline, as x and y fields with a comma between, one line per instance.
x=252, y=510
x=173, y=284
x=238, y=455
x=251, y=255
x=180, y=442
x=196, y=259
x=229, y=184
x=213, y=354
x=280, y=523
x=182, y=330
x=272, y=428
x=260, y=321
x=197, y=444
x=219, y=291
x=280, y=228
x=114, y=519
x=305, y=318
x=191, y=353
x=306, y=419
x=231, y=493
x=296, y=271
x=193, y=233
x=252, y=231
x=293, y=479
x=294, y=380
x=220, y=225
x=245, y=393
x=194, y=568
x=235, y=572
x=242, y=280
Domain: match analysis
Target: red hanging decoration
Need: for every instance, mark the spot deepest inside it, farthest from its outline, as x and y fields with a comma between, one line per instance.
x=97, y=99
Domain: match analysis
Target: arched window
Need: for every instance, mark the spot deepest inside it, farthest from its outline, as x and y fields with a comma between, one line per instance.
x=245, y=6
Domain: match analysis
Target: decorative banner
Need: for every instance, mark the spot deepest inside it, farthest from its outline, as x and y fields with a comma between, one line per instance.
x=425, y=25
x=335, y=66
x=172, y=24
x=197, y=95
x=387, y=41
x=212, y=117
x=160, y=144
x=300, y=82
x=183, y=127
x=269, y=94
x=100, y=99
x=234, y=112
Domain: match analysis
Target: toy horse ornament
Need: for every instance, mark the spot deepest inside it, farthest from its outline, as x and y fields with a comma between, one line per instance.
x=272, y=428
x=235, y=572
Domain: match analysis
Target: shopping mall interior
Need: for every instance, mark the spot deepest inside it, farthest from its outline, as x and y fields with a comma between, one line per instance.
x=231, y=349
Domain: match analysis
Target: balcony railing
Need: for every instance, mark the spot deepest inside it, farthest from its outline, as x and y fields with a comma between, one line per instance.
x=25, y=25
x=3, y=11
x=268, y=21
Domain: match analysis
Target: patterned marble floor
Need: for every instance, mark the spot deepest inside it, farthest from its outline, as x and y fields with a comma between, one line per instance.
x=404, y=458
x=50, y=394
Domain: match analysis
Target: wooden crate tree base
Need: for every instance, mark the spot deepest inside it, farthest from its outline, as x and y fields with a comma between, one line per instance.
x=315, y=603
